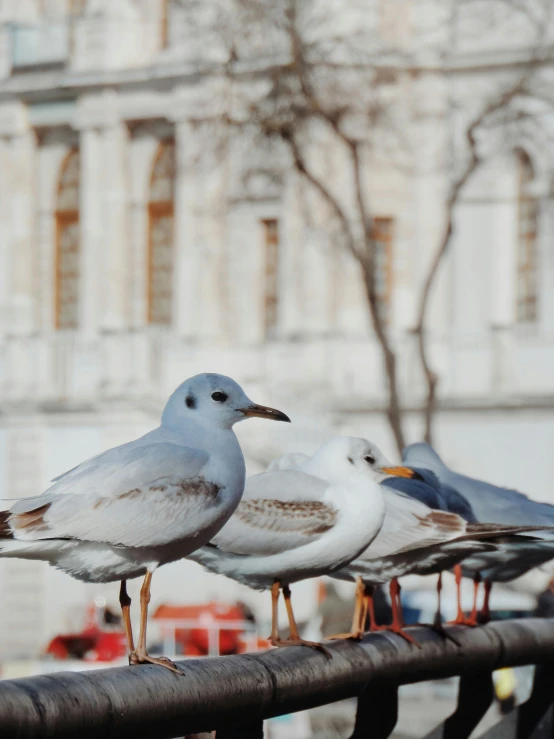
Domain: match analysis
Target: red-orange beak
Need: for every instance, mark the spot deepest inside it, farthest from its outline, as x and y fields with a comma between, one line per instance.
x=260, y=411
x=401, y=472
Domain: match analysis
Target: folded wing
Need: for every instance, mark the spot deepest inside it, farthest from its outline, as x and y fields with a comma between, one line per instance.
x=280, y=510
x=130, y=496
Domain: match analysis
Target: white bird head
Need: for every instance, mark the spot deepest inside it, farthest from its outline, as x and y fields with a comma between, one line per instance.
x=382, y=467
x=213, y=401
x=347, y=455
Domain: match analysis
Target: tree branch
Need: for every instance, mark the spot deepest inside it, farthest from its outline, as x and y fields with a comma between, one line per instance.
x=473, y=162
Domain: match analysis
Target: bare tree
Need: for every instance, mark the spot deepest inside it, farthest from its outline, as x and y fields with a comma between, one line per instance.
x=304, y=78
x=496, y=111
x=310, y=81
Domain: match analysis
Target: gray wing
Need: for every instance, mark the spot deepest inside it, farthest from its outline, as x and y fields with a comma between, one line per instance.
x=409, y=524
x=511, y=560
x=427, y=489
x=130, y=495
x=490, y=503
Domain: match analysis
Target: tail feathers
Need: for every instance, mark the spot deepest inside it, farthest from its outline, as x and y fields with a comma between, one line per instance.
x=5, y=530
x=42, y=550
x=495, y=531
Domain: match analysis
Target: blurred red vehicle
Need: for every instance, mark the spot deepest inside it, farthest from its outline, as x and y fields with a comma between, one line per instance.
x=192, y=630
x=91, y=644
x=207, y=619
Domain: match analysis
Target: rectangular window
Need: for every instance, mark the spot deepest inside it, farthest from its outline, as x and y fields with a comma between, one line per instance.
x=271, y=247
x=160, y=272
x=383, y=234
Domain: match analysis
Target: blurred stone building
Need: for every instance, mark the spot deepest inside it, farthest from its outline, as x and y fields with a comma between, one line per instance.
x=126, y=267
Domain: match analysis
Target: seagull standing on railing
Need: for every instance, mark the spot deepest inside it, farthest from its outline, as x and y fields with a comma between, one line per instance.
x=143, y=504
x=492, y=503
x=414, y=538
x=296, y=524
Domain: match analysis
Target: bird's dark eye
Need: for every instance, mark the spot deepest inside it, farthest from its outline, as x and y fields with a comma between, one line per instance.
x=219, y=396
x=369, y=459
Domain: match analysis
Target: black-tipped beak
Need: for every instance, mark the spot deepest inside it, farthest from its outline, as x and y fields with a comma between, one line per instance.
x=261, y=411
x=403, y=472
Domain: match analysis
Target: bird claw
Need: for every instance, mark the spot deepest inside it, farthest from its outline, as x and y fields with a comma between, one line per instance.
x=459, y=621
x=401, y=632
x=301, y=643
x=140, y=659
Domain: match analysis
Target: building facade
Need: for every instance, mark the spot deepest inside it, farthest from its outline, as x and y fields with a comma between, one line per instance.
x=127, y=266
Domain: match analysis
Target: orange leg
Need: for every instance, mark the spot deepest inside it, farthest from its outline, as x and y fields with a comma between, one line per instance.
x=275, y=590
x=358, y=619
x=140, y=655
x=485, y=615
x=397, y=625
x=294, y=639
x=370, y=608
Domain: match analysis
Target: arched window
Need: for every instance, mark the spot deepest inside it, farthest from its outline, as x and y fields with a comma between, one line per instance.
x=160, y=231
x=67, y=244
x=526, y=307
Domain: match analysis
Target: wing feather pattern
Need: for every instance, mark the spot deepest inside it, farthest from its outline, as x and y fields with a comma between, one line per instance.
x=280, y=510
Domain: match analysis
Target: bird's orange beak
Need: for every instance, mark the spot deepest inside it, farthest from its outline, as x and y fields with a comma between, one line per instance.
x=261, y=411
x=401, y=472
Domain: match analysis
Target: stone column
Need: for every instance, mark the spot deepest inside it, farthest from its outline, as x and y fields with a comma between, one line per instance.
x=114, y=287
x=17, y=217
x=92, y=232
x=91, y=120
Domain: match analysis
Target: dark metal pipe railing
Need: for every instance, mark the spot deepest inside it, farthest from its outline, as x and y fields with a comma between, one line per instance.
x=227, y=693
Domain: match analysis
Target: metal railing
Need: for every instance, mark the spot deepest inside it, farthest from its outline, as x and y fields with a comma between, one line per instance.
x=233, y=695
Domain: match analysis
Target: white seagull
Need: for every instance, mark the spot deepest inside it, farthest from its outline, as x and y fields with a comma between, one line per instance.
x=143, y=504
x=296, y=524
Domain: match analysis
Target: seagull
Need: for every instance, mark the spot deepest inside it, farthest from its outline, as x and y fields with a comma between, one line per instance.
x=140, y=505
x=492, y=503
x=294, y=524
x=414, y=539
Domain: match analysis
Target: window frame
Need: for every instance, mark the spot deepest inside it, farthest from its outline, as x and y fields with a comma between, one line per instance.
x=271, y=276
x=158, y=209
x=63, y=218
